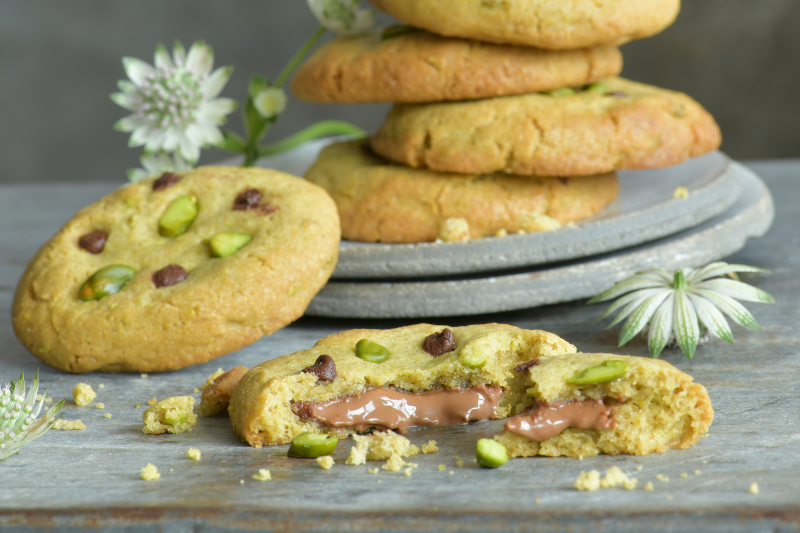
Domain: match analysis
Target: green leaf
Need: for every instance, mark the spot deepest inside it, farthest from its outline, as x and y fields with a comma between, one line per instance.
x=686, y=329
x=30, y=399
x=232, y=143
x=631, y=284
x=713, y=320
x=736, y=289
x=661, y=326
x=658, y=274
x=730, y=307
x=324, y=128
x=625, y=300
x=641, y=316
x=715, y=270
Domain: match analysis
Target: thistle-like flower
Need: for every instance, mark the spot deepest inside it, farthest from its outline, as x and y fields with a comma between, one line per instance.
x=174, y=103
x=270, y=102
x=677, y=306
x=18, y=413
x=157, y=164
x=342, y=16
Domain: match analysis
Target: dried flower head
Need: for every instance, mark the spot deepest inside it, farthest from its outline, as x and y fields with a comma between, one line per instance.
x=676, y=306
x=174, y=103
x=342, y=16
x=18, y=413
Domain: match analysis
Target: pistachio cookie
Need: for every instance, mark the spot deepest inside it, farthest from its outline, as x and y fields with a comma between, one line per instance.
x=611, y=125
x=585, y=404
x=417, y=66
x=555, y=25
x=390, y=379
x=169, y=272
x=385, y=202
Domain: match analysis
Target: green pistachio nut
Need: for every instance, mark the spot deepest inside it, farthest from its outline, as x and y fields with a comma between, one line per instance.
x=225, y=244
x=178, y=217
x=472, y=356
x=312, y=445
x=602, y=373
x=563, y=91
x=107, y=280
x=371, y=352
x=491, y=454
x=597, y=87
x=173, y=418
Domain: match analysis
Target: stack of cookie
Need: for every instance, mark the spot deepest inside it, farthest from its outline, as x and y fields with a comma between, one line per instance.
x=509, y=116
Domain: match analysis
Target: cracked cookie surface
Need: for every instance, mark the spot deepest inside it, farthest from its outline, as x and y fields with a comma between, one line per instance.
x=633, y=126
x=555, y=25
x=380, y=201
x=220, y=305
x=423, y=67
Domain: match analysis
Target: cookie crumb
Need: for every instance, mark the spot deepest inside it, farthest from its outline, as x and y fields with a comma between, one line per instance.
x=241, y=481
x=430, y=447
x=196, y=390
x=100, y=405
x=143, y=376
x=617, y=478
x=136, y=406
x=326, y=462
x=533, y=222
x=173, y=415
x=394, y=463
x=149, y=472
x=441, y=467
x=538, y=500
x=194, y=453
x=407, y=472
x=48, y=400
x=681, y=193
x=152, y=401
x=588, y=480
x=380, y=446
x=639, y=467
x=107, y=415
x=101, y=386
x=502, y=232
x=684, y=474
x=454, y=229
x=83, y=394
x=212, y=377
x=460, y=463
x=662, y=477
x=38, y=397
x=669, y=496
x=697, y=472
x=451, y=472
x=263, y=475
x=754, y=489
x=649, y=486
x=374, y=470
x=68, y=425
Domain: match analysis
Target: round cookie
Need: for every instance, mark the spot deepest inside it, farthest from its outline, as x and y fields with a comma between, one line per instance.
x=156, y=321
x=555, y=25
x=380, y=201
x=422, y=67
x=266, y=406
x=632, y=126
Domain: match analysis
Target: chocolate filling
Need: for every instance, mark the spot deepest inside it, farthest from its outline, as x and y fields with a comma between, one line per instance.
x=527, y=365
x=546, y=420
x=392, y=409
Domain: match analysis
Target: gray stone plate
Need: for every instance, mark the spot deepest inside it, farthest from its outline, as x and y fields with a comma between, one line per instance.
x=750, y=216
x=645, y=210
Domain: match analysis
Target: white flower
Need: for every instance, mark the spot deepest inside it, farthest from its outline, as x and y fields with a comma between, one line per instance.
x=18, y=413
x=174, y=103
x=681, y=303
x=157, y=164
x=342, y=16
x=270, y=102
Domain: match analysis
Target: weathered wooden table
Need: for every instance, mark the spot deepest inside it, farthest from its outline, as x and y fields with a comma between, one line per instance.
x=90, y=479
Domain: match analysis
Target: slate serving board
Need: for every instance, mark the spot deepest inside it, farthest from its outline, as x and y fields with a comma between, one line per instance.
x=89, y=479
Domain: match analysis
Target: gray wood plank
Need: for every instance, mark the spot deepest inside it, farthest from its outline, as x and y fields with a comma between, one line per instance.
x=71, y=480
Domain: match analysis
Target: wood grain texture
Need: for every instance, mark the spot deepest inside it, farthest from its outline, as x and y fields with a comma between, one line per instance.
x=90, y=478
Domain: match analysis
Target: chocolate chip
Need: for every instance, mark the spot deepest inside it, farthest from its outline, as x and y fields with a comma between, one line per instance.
x=267, y=208
x=169, y=275
x=522, y=367
x=440, y=343
x=247, y=200
x=618, y=94
x=167, y=179
x=564, y=181
x=324, y=368
x=94, y=242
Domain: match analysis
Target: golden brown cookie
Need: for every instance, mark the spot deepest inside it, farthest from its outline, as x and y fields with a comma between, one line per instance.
x=423, y=67
x=380, y=201
x=182, y=305
x=628, y=126
x=459, y=374
x=555, y=25
x=650, y=406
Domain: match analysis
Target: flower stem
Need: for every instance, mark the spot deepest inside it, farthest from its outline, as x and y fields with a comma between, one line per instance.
x=287, y=70
x=320, y=129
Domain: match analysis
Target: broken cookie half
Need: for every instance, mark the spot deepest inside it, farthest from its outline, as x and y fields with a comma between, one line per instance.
x=587, y=404
x=421, y=375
